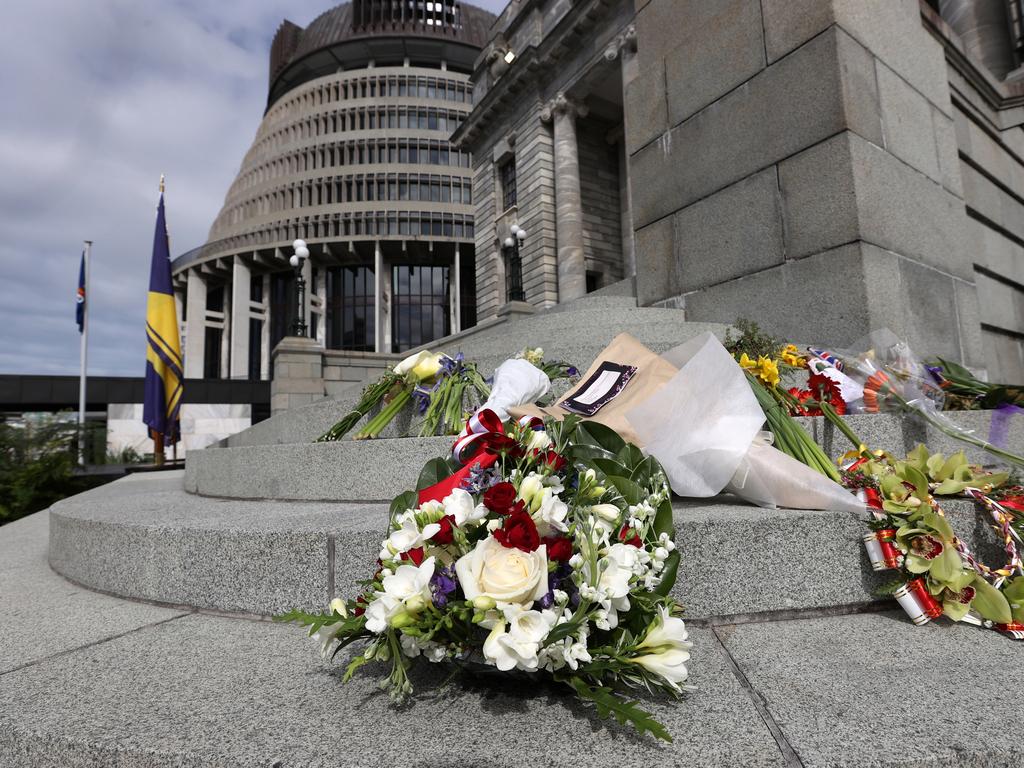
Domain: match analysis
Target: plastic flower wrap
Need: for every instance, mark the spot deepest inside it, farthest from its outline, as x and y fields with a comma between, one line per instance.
x=544, y=549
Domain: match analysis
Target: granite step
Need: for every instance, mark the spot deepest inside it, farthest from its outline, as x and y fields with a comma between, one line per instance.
x=140, y=686
x=284, y=463
x=145, y=537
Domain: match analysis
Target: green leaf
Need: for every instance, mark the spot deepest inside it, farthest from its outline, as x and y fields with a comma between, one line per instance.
x=668, y=576
x=950, y=487
x=663, y=520
x=402, y=502
x=433, y=472
x=610, y=704
x=631, y=492
x=630, y=456
x=593, y=433
x=990, y=602
x=609, y=466
x=646, y=471
x=1014, y=593
x=355, y=664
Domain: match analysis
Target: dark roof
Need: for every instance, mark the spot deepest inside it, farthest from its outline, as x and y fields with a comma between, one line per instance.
x=452, y=21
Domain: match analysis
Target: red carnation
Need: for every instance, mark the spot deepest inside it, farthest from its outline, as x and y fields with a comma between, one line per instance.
x=518, y=531
x=559, y=548
x=550, y=460
x=414, y=555
x=626, y=538
x=444, y=536
x=499, y=498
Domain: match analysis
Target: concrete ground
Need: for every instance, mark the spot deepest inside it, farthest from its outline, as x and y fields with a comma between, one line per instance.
x=92, y=680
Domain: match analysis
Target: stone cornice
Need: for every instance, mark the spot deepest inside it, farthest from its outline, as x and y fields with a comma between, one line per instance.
x=531, y=66
x=999, y=95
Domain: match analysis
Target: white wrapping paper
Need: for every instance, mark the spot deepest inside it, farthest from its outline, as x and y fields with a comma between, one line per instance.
x=516, y=382
x=704, y=426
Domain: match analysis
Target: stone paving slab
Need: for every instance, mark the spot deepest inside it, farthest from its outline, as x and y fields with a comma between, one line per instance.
x=873, y=690
x=212, y=691
x=42, y=615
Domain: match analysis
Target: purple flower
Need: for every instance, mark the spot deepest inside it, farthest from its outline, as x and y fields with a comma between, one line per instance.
x=479, y=480
x=442, y=584
x=572, y=371
x=547, y=601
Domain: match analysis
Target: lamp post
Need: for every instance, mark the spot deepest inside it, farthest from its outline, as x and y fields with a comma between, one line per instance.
x=514, y=264
x=300, y=255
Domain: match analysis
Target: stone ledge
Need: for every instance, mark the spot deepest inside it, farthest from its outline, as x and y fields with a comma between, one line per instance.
x=146, y=538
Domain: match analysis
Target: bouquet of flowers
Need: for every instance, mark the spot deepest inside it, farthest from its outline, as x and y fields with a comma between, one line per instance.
x=544, y=550
x=443, y=389
x=938, y=573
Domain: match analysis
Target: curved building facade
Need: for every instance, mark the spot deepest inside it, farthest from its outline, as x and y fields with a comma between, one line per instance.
x=353, y=156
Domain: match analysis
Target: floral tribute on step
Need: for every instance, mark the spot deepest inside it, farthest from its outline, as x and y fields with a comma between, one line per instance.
x=537, y=549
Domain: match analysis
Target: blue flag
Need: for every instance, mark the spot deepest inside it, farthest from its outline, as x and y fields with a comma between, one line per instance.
x=164, y=370
x=80, y=300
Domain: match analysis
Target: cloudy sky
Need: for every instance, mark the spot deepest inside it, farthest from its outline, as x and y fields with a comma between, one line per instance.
x=99, y=98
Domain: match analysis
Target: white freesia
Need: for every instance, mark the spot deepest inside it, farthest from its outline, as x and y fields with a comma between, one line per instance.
x=551, y=513
x=669, y=648
x=459, y=504
x=539, y=441
x=618, y=567
x=414, y=646
x=338, y=607
x=519, y=646
x=608, y=512
x=406, y=591
x=422, y=365
x=530, y=487
x=409, y=536
x=327, y=636
x=503, y=574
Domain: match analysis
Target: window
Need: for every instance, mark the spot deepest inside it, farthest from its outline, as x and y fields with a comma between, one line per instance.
x=211, y=362
x=507, y=175
x=349, y=315
x=420, y=305
x=255, y=347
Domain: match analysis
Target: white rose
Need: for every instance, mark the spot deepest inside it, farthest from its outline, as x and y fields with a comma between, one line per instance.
x=503, y=574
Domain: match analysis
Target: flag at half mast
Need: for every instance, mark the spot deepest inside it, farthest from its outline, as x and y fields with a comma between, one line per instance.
x=164, y=370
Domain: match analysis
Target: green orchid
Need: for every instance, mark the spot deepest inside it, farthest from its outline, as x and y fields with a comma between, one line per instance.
x=1014, y=594
x=929, y=548
x=950, y=476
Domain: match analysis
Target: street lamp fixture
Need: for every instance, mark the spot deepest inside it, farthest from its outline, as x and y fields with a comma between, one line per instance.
x=514, y=264
x=300, y=255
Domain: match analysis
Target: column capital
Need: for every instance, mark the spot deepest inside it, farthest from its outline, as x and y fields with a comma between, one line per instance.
x=563, y=105
x=622, y=43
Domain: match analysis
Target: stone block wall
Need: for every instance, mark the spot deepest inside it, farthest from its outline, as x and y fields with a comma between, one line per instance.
x=599, y=186
x=793, y=161
x=345, y=373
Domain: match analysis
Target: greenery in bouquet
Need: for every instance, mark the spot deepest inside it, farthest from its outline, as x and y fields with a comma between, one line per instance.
x=443, y=390
x=938, y=573
x=546, y=551
x=965, y=391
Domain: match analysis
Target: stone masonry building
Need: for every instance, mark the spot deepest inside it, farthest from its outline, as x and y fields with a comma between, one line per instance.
x=826, y=167
x=353, y=156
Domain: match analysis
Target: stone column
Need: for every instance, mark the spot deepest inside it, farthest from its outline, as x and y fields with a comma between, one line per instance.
x=241, y=290
x=572, y=268
x=455, y=285
x=195, y=339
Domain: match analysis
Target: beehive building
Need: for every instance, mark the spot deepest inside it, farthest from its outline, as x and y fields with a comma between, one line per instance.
x=352, y=156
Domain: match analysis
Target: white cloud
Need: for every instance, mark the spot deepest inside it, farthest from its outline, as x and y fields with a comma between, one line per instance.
x=100, y=98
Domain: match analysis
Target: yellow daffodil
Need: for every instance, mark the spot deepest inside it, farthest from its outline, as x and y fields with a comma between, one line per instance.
x=746, y=363
x=791, y=356
x=767, y=371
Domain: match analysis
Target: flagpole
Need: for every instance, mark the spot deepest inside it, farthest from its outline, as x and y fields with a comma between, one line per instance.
x=84, y=355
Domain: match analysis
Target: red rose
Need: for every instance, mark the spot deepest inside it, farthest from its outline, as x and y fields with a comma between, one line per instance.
x=559, y=548
x=503, y=445
x=551, y=460
x=444, y=536
x=499, y=498
x=518, y=531
x=626, y=538
x=414, y=555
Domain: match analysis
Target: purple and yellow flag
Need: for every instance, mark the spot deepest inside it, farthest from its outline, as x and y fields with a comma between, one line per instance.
x=164, y=369
x=80, y=297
